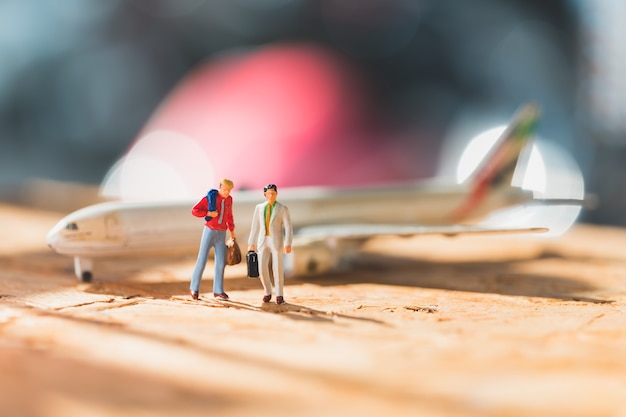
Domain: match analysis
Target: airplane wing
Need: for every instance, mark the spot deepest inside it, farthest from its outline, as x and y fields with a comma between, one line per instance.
x=365, y=231
x=323, y=248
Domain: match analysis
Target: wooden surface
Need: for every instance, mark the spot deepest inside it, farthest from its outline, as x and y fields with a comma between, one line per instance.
x=421, y=326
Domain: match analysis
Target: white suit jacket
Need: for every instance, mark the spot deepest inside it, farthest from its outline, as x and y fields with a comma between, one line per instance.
x=281, y=231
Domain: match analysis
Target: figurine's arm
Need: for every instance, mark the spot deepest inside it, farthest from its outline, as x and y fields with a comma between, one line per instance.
x=254, y=230
x=288, y=230
x=230, y=220
x=201, y=208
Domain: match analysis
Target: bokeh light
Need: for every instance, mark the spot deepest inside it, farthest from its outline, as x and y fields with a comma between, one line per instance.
x=550, y=172
x=145, y=174
x=535, y=174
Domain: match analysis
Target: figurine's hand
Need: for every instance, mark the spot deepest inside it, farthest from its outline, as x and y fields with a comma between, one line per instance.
x=251, y=248
x=211, y=213
x=287, y=249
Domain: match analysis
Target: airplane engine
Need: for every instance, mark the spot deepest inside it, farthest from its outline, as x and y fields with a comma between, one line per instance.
x=322, y=256
x=312, y=259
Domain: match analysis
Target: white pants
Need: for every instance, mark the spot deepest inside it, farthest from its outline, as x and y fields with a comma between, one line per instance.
x=268, y=252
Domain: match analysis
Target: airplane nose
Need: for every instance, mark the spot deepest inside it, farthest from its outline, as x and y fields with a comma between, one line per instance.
x=52, y=238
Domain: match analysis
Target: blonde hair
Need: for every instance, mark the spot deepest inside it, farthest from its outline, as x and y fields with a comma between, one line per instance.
x=227, y=182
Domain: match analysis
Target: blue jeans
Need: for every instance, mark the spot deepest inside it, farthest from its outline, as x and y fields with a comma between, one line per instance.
x=210, y=239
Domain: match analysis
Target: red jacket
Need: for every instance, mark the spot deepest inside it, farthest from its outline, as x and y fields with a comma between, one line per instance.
x=200, y=210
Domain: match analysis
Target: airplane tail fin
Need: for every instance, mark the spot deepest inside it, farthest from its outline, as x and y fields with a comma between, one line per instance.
x=498, y=167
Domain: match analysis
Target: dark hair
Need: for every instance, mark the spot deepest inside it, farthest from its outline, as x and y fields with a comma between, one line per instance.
x=270, y=187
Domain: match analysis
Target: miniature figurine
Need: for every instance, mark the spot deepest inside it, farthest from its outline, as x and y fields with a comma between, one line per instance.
x=214, y=236
x=271, y=233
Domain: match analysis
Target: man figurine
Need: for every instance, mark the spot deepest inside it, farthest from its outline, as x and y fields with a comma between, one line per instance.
x=214, y=236
x=271, y=233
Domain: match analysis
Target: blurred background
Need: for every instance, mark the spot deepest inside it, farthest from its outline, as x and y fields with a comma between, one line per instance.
x=157, y=95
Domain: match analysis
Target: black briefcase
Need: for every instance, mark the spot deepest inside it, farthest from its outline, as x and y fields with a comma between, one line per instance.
x=252, y=260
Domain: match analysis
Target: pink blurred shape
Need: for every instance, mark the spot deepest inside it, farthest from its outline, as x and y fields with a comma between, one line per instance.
x=287, y=114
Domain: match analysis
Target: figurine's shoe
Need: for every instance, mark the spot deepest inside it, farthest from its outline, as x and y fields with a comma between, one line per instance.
x=194, y=295
x=280, y=300
x=267, y=298
x=223, y=296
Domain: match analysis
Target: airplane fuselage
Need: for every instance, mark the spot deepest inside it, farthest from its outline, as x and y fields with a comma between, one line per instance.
x=132, y=228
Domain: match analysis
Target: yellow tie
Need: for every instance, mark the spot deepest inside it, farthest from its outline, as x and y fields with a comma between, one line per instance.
x=268, y=211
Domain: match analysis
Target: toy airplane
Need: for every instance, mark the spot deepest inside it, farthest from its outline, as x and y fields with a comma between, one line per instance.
x=330, y=224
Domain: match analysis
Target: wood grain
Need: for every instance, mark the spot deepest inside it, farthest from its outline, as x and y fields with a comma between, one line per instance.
x=420, y=326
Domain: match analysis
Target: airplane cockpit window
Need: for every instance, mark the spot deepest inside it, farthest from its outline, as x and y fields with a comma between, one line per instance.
x=71, y=226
